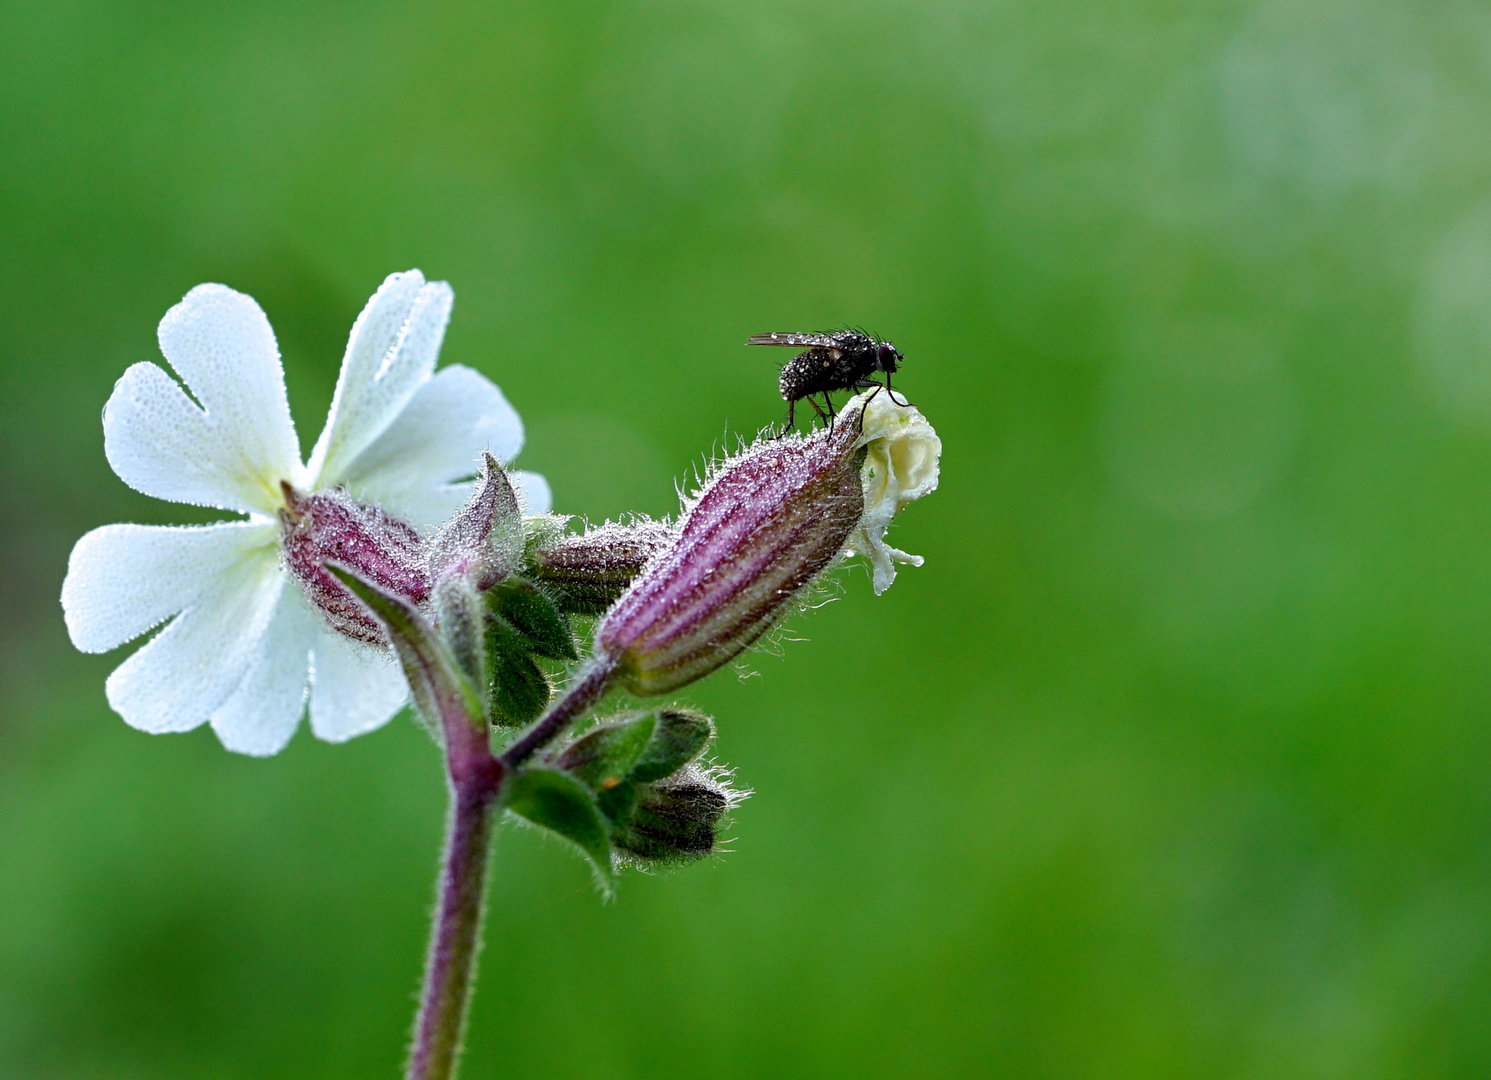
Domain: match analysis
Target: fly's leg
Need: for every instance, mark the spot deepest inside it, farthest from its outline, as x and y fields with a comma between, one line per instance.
x=791, y=410
x=904, y=403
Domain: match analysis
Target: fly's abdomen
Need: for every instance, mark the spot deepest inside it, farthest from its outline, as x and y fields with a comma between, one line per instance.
x=812, y=372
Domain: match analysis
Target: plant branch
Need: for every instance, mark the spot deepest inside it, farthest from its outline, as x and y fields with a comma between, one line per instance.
x=594, y=681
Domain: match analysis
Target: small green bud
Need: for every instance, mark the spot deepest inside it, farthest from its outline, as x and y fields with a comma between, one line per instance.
x=519, y=689
x=484, y=540
x=587, y=572
x=525, y=607
x=662, y=809
x=675, y=821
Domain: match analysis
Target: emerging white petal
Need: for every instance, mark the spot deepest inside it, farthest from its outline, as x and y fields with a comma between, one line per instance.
x=534, y=492
x=391, y=352
x=354, y=688
x=262, y=714
x=124, y=579
x=902, y=455
x=414, y=466
x=183, y=674
x=234, y=444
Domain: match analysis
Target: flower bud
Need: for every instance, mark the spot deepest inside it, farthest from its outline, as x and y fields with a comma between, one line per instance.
x=587, y=572
x=676, y=820
x=330, y=526
x=484, y=540
x=765, y=525
x=761, y=530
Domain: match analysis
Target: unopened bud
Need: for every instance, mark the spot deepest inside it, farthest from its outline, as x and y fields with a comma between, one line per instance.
x=484, y=540
x=331, y=527
x=764, y=527
x=589, y=571
x=677, y=819
x=761, y=530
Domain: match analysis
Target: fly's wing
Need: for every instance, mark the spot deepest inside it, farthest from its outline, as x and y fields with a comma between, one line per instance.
x=794, y=341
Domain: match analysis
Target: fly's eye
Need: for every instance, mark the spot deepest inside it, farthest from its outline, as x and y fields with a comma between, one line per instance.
x=886, y=357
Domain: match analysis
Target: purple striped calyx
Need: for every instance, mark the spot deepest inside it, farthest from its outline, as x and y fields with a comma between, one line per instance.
x=332, y=527
x=765, y=525
x=588, y=572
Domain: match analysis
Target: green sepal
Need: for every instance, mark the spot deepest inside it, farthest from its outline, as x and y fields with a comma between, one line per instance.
x=560, y=803
x=617, y=801
x=485, y=538
x=519, y=690
x=442, y=693
x=531, y=613
x=605, y=757
x=678, y=738
x=458, y=608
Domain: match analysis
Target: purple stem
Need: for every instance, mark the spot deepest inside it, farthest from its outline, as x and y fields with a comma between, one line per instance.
x=595, y=680
x=475, y=782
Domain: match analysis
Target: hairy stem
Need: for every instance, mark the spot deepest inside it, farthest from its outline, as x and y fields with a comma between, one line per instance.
x=475, y=783
x=595, y=680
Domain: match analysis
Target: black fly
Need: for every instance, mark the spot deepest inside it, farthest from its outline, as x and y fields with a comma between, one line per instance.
x=836, y=360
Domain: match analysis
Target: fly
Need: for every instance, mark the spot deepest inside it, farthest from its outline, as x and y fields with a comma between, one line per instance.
x=831, y=361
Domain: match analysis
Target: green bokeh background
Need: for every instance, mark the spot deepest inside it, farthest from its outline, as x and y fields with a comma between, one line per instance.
x=1173, y=761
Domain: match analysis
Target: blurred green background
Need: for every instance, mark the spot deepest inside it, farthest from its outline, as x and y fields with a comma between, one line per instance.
x=1173, y=761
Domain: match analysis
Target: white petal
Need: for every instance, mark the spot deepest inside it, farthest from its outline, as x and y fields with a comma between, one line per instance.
x=183, y=674
x=431, y=506
x=234, y=444
x=533, y=492
x=437, y=440
x=354, y=688
x=391, y=352
x=902, y=455
x=124, y=579
x=261, y=715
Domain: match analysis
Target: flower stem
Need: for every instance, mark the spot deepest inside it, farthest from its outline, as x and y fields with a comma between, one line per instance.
x=594, y=682
x=475, y=783
x=454, y=941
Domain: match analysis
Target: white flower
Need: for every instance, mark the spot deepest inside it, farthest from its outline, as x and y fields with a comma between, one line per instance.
x=901, y=464
x=244, y=649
